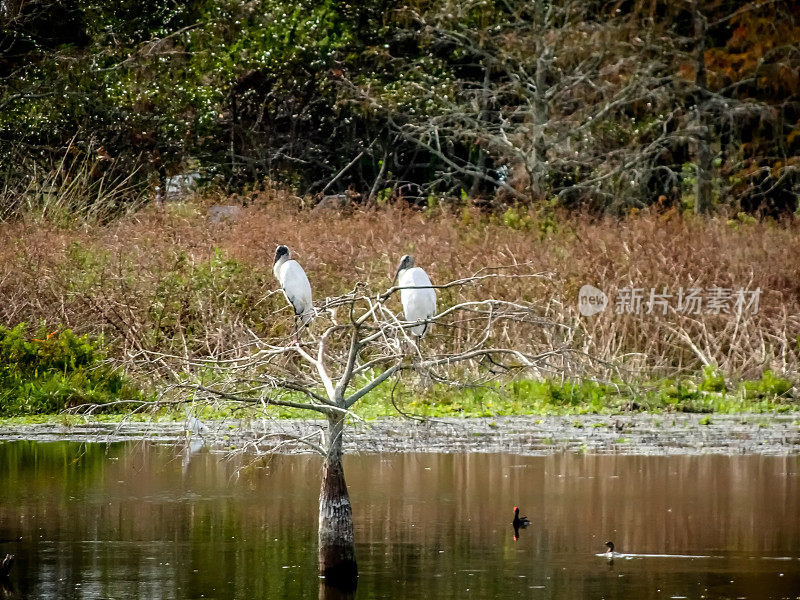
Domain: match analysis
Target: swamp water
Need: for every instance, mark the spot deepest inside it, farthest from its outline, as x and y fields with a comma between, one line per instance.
x=141, y=521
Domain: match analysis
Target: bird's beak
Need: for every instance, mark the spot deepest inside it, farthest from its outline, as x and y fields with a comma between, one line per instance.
x=396, y=275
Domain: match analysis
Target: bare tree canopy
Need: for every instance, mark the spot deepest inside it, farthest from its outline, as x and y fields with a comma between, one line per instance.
x=359, y=341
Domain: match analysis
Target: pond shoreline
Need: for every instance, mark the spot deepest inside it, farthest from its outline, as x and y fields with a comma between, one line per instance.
x=640, y=433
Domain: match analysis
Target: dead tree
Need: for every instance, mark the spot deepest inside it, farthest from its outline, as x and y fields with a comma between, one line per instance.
x=364, y=343
x=702, y=200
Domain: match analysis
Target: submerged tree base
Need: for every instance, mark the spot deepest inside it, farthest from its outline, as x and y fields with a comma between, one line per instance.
x=341, y=591
x=337, y=556
x=339, y=573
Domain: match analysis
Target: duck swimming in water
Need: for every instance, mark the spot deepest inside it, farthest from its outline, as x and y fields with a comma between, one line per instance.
x=609, y=553
x=519, y=523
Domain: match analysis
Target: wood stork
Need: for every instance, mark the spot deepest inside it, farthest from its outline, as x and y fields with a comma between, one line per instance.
x=295, y=286
x=416, y=294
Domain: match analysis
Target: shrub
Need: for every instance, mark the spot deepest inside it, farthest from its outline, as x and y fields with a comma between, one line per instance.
x=48, y=372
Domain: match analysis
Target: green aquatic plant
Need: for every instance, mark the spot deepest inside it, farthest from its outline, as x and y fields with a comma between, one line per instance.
x=770, y=386
x=713, y=380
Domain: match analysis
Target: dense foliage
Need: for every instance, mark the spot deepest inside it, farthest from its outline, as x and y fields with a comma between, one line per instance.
x=599, y=105
x=47, y=372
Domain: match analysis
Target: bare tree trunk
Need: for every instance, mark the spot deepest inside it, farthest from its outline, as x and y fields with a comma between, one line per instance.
x=337, y=559
x=234, y=123
x=480, y=167
x=702, y=200
x=541, y=112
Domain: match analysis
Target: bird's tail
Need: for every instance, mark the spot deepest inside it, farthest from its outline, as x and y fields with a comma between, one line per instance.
x=306, y=317
x=421, y=329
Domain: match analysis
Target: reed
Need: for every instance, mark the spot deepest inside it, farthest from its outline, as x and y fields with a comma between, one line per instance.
x=169, y=281
x=76, y=187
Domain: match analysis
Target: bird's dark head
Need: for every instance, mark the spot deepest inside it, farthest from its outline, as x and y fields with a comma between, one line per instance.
x=610, y=546
x=516, y=510
x=281, y=253
x=406, y=262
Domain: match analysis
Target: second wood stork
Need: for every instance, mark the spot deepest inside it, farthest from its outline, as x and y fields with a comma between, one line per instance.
x=416, y=294
x=295, y=285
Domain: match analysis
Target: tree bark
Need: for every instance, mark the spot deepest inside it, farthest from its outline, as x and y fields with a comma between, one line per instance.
x=702, y=199
x=337, y=558
x=541, y=113
x=482, y=116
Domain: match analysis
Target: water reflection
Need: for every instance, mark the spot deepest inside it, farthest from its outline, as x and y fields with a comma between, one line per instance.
x=7, y=588
x=337, y=592
x=140, y=521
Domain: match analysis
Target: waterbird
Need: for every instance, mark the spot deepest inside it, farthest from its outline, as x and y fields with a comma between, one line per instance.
x=519, y=523
x=416, y=294
x=196, y=430
x=295, y=286
x=609, y=553
x=195, y=426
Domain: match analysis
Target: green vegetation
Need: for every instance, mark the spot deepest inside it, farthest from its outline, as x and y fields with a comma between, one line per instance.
x=51, y=371
x=519, y=397
x=549, y=397
x=769, y=386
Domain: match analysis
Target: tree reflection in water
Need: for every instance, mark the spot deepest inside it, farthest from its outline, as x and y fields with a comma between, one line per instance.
x=336, y=592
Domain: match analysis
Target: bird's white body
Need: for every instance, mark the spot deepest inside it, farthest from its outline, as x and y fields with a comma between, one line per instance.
x=296, y=287
x=418, y=304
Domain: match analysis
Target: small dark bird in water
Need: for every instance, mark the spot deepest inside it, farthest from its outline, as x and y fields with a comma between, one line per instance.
x=519, y=523
x=609, y=553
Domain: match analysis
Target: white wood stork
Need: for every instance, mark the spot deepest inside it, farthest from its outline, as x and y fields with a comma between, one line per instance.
x=295, y=286
x=416, y=294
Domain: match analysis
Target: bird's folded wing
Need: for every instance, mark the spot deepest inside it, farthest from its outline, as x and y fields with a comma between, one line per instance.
x=296, y=287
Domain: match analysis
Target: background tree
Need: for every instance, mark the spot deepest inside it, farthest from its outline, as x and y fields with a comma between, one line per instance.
x=593, y=105
x=605, y=106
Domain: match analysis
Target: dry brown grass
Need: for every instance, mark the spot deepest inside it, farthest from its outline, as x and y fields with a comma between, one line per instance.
x=170, y=281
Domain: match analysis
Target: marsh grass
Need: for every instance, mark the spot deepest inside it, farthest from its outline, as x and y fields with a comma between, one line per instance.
x=80, y=187
x=166, y=285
